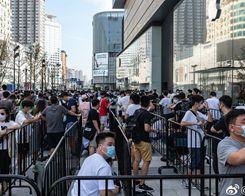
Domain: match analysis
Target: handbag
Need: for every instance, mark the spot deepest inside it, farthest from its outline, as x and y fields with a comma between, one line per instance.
x=89, y=133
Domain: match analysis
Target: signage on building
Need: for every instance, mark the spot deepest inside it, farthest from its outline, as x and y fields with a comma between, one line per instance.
x=100, y=67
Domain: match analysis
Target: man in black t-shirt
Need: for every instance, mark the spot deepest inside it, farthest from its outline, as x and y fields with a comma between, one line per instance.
x=142, y=149
x=94, y=122
x=219, y=129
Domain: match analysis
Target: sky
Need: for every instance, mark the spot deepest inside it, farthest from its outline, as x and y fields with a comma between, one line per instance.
x=76, y=18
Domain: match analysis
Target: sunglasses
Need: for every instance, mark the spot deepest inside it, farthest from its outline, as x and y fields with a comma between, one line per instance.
x=2, y=113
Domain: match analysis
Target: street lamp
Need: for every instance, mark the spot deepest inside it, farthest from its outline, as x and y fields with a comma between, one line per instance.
x=16, y=54
x=57, y=66
x=43, y=67
x=194, y=74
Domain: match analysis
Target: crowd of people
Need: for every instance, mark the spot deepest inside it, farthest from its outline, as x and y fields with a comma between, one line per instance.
x=60, y=110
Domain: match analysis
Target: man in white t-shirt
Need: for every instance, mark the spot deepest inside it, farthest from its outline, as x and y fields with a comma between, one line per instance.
x=165, y=102
x=124, y=102
x=213, y=104
x=96, y=165
x=135, y=105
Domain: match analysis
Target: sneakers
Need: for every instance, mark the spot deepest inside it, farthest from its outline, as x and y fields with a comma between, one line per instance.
x=144, y=187
x=185, y=184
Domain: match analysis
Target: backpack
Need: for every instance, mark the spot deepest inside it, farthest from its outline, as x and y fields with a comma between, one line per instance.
x=132, y=125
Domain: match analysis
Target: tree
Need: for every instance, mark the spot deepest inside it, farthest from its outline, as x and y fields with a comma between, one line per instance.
x=5, y=57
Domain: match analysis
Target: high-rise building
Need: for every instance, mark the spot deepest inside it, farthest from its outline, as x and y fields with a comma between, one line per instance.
x=5, y=20
x=28, y=18
x=52, y=40
x=53, y=47
x=190, y=22
x=107, y=42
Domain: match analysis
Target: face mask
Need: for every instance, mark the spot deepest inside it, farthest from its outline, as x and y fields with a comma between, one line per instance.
x=243, y=128
x=2, y=117
x=111, y=151
x=29, y=111
x=175, y=100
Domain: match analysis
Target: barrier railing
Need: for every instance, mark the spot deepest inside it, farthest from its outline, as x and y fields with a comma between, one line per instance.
x=123, y=149
x=21, y=148
x=63, y=161
x=158, y=178
x=8, y=179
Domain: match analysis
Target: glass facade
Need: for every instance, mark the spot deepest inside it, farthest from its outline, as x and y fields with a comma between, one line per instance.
x=107, y=39
x=134, y=65
x=209, y=54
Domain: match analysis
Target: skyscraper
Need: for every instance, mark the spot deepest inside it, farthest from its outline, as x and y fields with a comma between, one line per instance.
x=5, y=20
x=28, y=18
x=52, y=40
x=190, y=22
x=107, y=42
x=53, y=47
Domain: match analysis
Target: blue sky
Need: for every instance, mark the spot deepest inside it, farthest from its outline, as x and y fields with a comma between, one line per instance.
x=76, y=17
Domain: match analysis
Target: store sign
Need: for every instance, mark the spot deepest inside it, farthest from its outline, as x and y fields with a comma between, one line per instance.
x=100, y=67
x=214, y=9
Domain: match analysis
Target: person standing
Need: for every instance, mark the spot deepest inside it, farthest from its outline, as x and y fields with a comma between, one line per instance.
x=104, y=108
x=231, y=152
x=53, y=115
x=71, y=105
x=142, y=149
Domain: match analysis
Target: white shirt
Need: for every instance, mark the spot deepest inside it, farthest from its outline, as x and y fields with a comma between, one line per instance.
x=20, y=118
x=132, y=108
x=94, y=165
x=165, y=102
x=193, y=138
x=4, y=144
x=123, y=102
x=213, y=104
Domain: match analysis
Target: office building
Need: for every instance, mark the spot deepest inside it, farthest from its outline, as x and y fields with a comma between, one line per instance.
x=5, y=20
x=193, y=45
x=107, y=42
x=28, y=17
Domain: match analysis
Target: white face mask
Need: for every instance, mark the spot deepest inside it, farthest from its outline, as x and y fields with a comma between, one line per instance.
x=29, y=111
x=2, y=117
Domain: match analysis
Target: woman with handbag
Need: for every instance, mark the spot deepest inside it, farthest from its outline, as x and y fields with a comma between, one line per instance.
x=92, y=127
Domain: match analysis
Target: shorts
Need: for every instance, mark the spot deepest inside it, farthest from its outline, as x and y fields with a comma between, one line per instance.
x=53, y=139
x=5, y=162
x=103, y=120
x=143, y=151
x=93, y=143
x=195, y=154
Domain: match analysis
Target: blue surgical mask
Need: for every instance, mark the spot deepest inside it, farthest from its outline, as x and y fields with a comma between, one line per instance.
x=111, y=151
x=243, y=128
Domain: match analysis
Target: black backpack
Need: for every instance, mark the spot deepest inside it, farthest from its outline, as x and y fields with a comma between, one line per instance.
x=132, y=124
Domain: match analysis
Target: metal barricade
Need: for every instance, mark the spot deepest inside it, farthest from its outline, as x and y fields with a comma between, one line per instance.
x=158, y=179
x=210, y=163
x=63, y=161
x=184, y=152
x=123, y=149
x=158, y=136
x=8, y=179
x=20, y=149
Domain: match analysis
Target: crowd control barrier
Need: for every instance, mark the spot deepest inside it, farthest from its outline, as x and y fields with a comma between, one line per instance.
x=158, y=179
x=123, y=150
x=8, y=179
x=63, y=161
x=20, y=149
